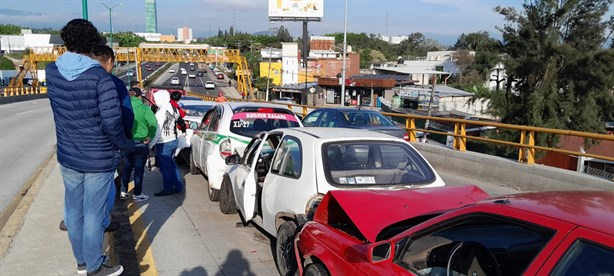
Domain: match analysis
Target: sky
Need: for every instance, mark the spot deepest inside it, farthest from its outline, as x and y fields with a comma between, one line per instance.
x=386, y=17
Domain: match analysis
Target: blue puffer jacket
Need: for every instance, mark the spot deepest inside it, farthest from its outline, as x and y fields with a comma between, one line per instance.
x=87, y=115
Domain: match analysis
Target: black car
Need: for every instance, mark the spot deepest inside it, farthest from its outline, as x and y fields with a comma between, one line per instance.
x=200, y=73
x=353, y=118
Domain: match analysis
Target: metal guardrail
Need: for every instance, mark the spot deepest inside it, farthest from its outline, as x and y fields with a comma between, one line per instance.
x=526, y=147
x=24, y=90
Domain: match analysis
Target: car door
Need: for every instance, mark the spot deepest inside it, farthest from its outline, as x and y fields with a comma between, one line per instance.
x=208, y=144
x=198, y=138
x=244, y=183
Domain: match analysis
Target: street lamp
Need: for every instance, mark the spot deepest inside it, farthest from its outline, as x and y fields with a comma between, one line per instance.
x=110, y=19
x=345, y=46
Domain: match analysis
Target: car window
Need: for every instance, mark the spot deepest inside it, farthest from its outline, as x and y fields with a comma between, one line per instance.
x=475, y=245
x=328, y=119
x=362, y=118
x=251, y=123
x=250, y=151
x=586, y=258
x=195, y=110
x=374, y=163
x=207, y=120
x=311, y=119
x=288, y=158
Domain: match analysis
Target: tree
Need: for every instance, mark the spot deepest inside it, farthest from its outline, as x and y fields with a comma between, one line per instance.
x=283, y=35
x=231, y=31
x=10, y=29
x=462, y=59
x=478, y=41
x=559, y=76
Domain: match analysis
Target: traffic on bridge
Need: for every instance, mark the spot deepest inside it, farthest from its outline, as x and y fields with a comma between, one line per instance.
x=344, y=153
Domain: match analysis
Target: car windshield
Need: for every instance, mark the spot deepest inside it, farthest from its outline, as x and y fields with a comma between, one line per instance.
x=196, y=110
x=374, y=163
x=366, y=118
x=252, y=121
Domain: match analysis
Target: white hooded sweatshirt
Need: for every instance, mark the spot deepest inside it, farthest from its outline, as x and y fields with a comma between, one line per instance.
x=166, y=116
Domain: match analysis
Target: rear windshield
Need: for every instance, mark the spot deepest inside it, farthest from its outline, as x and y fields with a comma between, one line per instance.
x=249, y=122
x=362, y=118
x=196, y=110
x=374, y=163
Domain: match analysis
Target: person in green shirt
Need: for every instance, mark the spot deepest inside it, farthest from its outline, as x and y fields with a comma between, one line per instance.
x=143, y=131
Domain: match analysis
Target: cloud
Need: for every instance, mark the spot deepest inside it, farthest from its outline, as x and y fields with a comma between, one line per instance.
x=10, y=12
x=236, y=5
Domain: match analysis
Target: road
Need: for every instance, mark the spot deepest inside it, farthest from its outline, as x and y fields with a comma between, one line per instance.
x=196, y=84
x=26, y=139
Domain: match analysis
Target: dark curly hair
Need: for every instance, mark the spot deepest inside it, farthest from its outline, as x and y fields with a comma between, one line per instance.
x=176, y=96
x=103, y=52
x=80, y=36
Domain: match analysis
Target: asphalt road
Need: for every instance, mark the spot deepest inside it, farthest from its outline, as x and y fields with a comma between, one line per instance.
x=27, y=137
x=196, y=84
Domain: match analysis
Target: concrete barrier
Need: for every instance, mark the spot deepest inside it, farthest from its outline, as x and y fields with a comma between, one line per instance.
x=508, y=172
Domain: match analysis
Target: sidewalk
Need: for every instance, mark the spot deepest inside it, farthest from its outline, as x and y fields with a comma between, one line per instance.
x=182, y=234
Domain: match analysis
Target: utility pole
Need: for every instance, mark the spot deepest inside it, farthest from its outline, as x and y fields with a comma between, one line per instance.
x=84, y=8
x=268, y=77
x=345, y=46
x=428, y=114
x=305, y=54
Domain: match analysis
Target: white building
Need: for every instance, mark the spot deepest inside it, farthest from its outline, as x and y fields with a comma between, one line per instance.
x=290, y=63
x=26, y=39
x=152, y=37
x=184, y=34
x=396, y=39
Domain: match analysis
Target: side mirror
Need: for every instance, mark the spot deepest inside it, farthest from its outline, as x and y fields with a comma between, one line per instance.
x=193, y=125
x=233, y=159
x=380, y=251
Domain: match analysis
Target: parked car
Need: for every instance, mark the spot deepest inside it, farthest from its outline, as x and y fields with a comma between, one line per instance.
x=286, y=100
x=545, y=233
x=226, y=129
x=175, y=81
x=283, y=174
x=195, y=109
x=354, y=118
x=209, y=85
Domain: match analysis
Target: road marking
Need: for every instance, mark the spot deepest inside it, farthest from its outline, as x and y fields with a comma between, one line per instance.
x=24, y=112
x=144, y=254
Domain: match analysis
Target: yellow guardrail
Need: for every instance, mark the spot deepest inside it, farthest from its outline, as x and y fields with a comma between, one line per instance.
x=24, y=90
x=526, y=134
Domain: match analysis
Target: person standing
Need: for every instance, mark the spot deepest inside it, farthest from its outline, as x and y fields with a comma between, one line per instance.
x=166, y=144
x=89, y=132
x=144, y=130
x=220, y=97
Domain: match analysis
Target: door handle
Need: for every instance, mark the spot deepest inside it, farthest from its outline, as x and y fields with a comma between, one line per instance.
x=243, y=184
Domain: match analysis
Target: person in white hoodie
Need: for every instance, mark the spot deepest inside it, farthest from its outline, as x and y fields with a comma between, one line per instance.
x=166, y=144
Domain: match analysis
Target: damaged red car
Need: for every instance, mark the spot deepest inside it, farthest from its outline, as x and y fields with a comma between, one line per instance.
x=457, y=231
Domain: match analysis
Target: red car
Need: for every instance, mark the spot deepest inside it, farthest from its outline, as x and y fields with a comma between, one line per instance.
x=220, y=76
x=408, y=232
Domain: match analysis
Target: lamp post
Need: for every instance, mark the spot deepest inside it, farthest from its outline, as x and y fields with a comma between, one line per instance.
x=268, y=77
x=110, y=20
x=84, y=7
x=345, y=46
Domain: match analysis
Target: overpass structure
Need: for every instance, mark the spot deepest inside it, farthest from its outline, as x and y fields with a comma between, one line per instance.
x=146, y=53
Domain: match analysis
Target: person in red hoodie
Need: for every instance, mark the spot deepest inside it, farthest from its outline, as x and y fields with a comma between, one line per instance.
x=175, y=97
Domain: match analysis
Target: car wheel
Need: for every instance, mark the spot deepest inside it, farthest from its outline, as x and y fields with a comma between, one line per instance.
x=284, y=248
x=316, y=269
x=227, y=198
x=193, y=169
x=214, y=194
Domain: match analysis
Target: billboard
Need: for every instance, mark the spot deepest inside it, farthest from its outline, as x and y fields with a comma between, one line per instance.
x=311, y=10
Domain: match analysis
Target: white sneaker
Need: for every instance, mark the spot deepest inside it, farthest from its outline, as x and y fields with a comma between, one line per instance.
x=141, y=197
x=124, y=195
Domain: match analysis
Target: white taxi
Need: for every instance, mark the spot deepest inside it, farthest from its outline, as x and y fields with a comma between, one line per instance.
x=226, y=129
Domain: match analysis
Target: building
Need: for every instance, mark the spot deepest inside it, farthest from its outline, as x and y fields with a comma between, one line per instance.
x=151, y=17
x=168, y=38
x=321, y=43
x=184, y=34
x=152, y=37
x=39, y=42
x=273, y=58
x=290, y=62
x=396, y=39
x=592, y=166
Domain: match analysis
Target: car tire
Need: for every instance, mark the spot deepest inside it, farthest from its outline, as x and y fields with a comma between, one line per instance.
x=193, y=169
x=227, y=198
x=316, y=269
x=284, y=248
x=214, y=194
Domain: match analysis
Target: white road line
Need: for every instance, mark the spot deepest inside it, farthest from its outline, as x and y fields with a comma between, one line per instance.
x=24, y=112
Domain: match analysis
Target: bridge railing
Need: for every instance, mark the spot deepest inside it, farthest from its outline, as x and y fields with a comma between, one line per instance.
x=526, y=134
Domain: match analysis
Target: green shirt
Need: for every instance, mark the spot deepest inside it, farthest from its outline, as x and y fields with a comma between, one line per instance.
x=145, y=124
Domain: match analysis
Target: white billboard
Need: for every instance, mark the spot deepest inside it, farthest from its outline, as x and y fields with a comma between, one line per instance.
x=296, y=9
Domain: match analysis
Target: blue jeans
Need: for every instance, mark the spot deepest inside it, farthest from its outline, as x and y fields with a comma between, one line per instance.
x=86, y=209
x=135, y=160
x=168, y=167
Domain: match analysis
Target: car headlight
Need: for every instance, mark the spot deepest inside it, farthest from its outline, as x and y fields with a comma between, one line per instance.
x=312, y=206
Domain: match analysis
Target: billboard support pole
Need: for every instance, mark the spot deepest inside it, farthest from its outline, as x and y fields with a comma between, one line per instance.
x=345, y=46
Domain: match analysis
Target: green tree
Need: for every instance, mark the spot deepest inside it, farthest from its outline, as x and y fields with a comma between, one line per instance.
x=10, y=29
x=283, y=35
x=558, y=74
x=127, y=39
